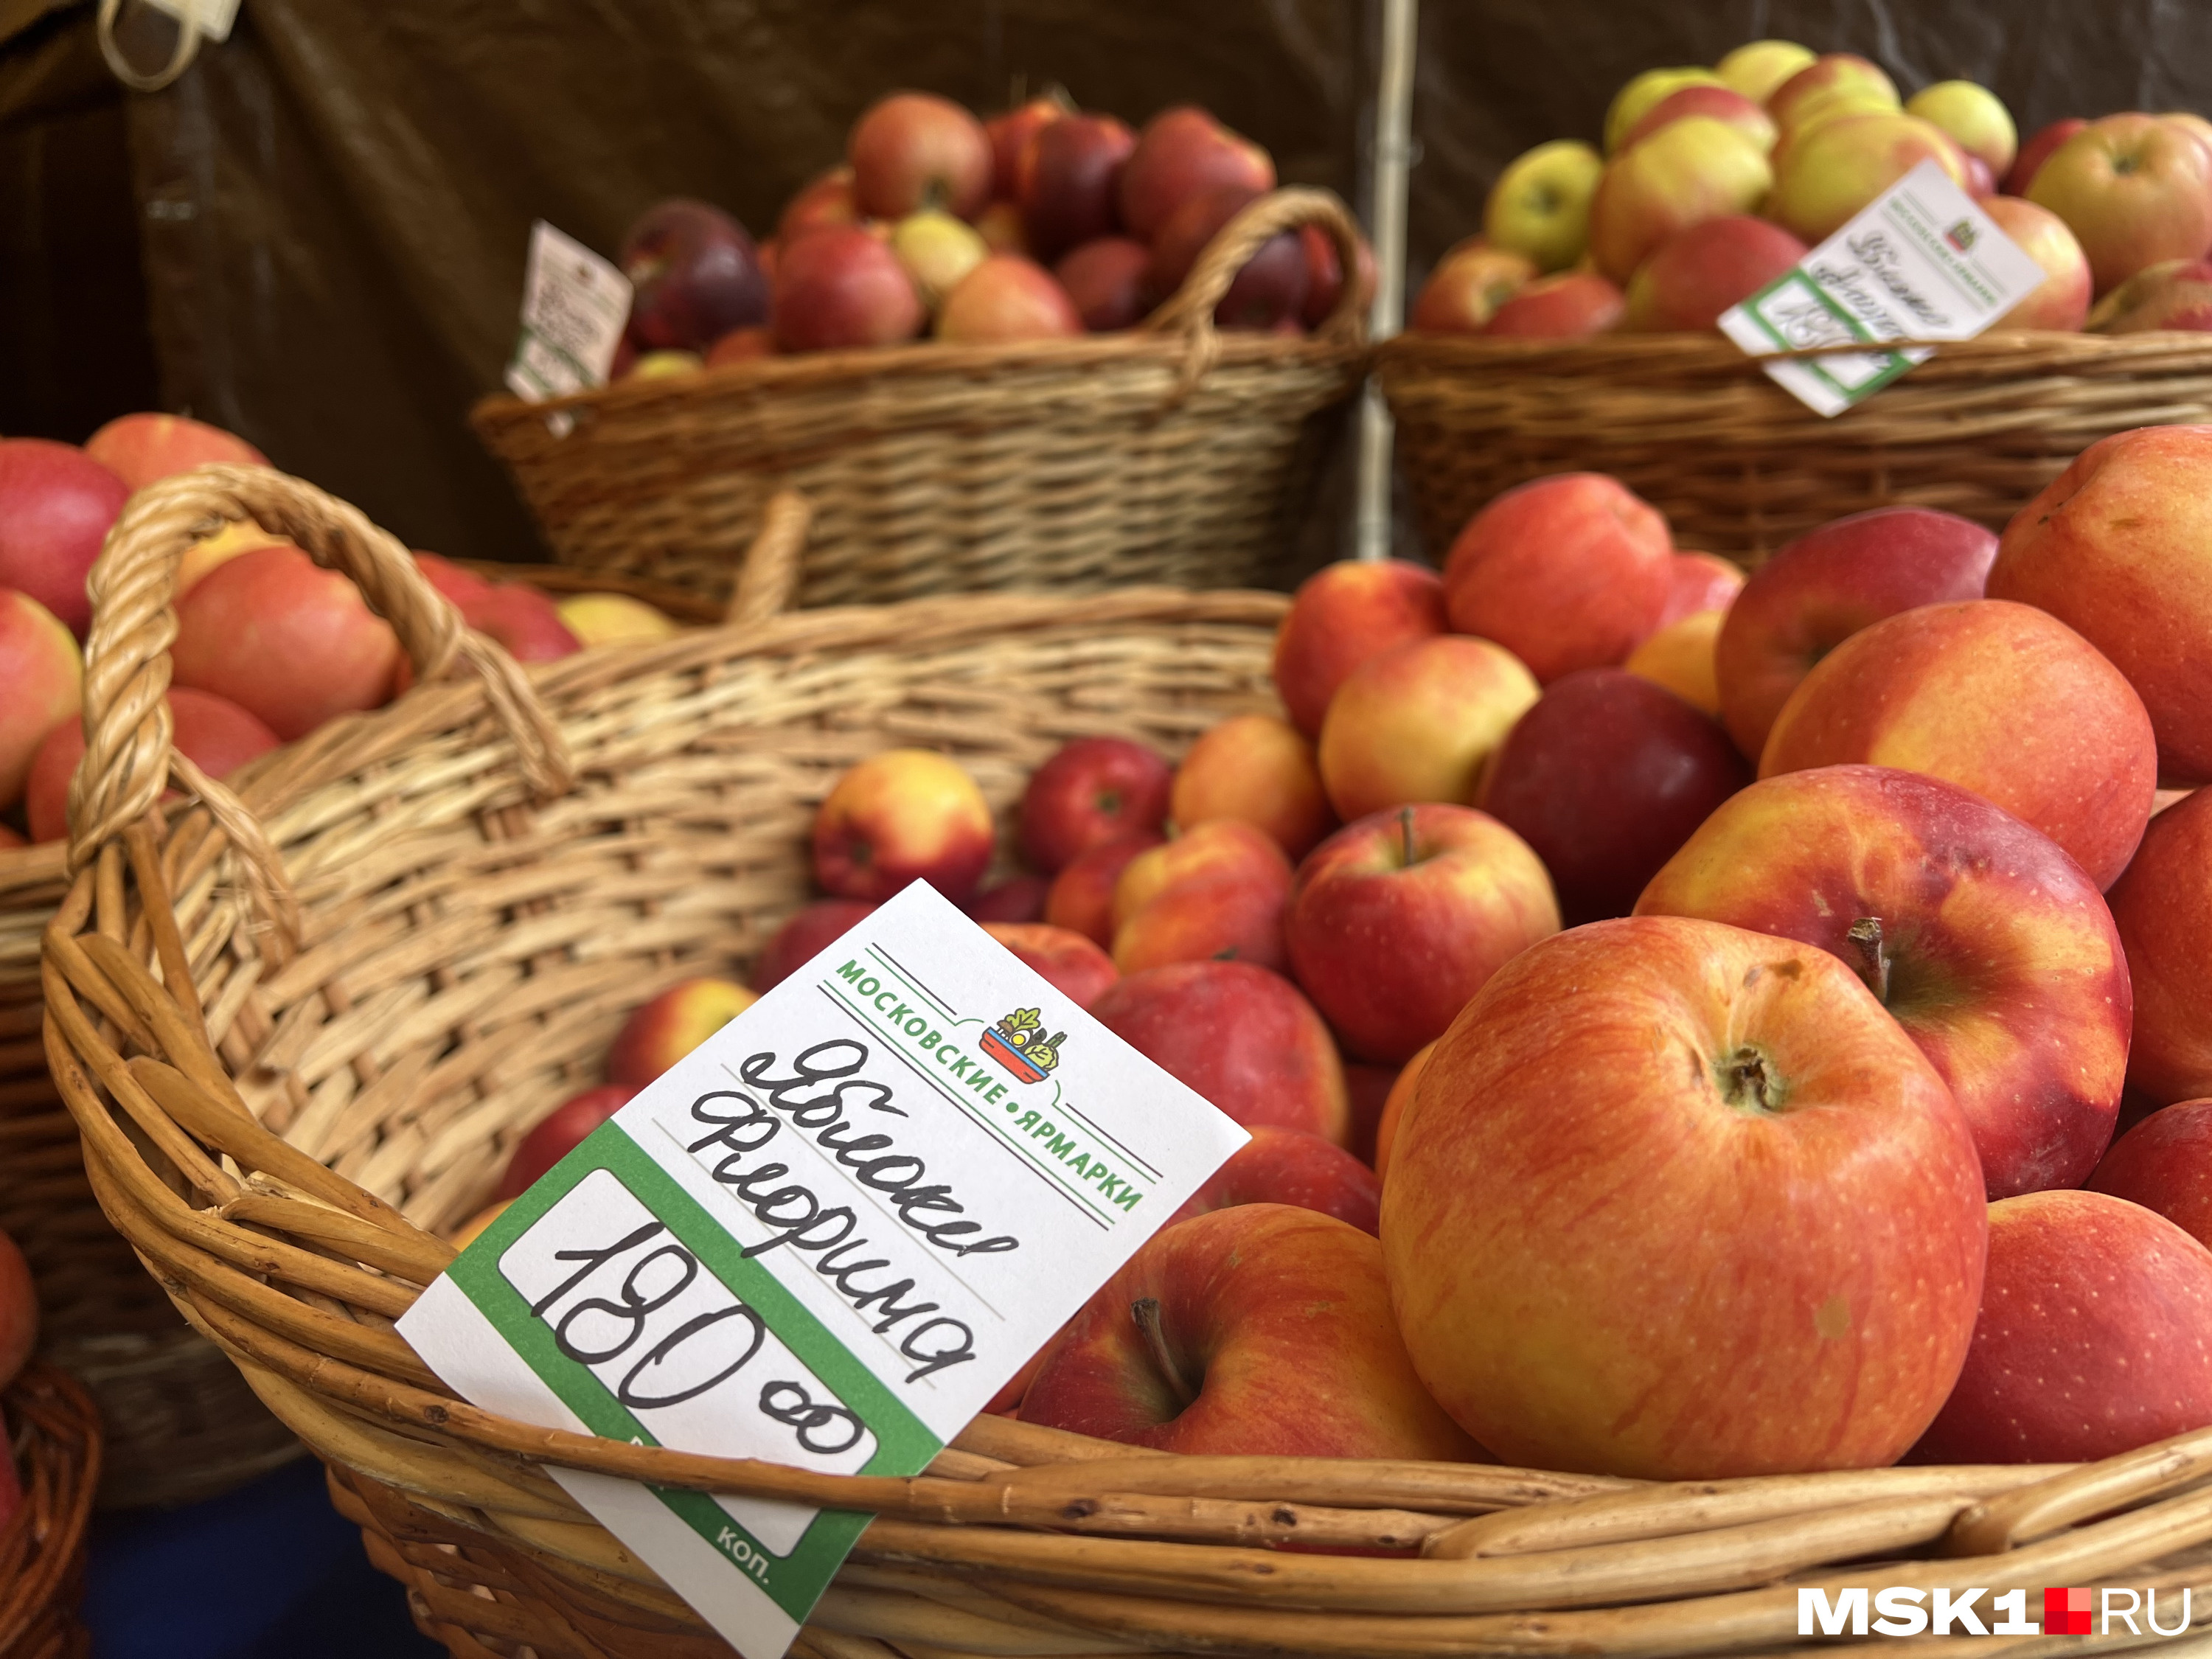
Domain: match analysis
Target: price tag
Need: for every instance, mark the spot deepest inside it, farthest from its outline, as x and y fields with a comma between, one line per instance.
x=825, y=1238
x=1922, y=262
x=574, y=306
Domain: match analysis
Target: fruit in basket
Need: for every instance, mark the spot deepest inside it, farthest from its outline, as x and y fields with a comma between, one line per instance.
x=1081, y=898
x=1643, y=92
x=937, y=251
x=1825, y=586
x=1830, y=71
x=1605, y=778
x=842, y=286
x=2039, y=149
x=55, y=506
x=1566, y=571
x=1289, y=1166
x=2163, y=906
x=741, y=346
x=1680, y=656
x=1007, y=298
x=802, y=937
x=1270, y=290
x=825, y=200
x=1325, y=274
x=1757, y=68
x=1700, y=272
x=225, y=545
x=1984, y=940
x=523, y=620
x=215, y=735
x=1416, y=723
x=1090, y=791
x=1019, y=897
x=2135, y=190
x=1346, y=613
x=2092, y=1339
x=1011, y=131
x=613, y=619
x=1976, y=118
x=1467, y=288
x=2062, y=300
x=1105, y=279
x=901, y=816
x=43, y=672
x=2000, y=698
x=1679, y=1201
x=289, y=642
x=1395, y=1105
x=144, y=448
x=1065, y=180
x=1244, y=1038
x=695, y=276
x=557, y=1134
x=2117, y=547
x=456, y=582
x=1833, y=105
x=1699, y=582
x=660, y=1032
x=1078, y=969
x=913, y=150
x=1690, y=169
x=1722, y=104
x=1539, y=206
x=19, y=1316
x=1261, y=1330
x=1835, y=169
x=1259, y=769
x=2164, y=1165
x=2173, y=294
x=1571, y=305
x=1181, y=153
x=1215, y=892
x=663, y=365
x=1399, y=918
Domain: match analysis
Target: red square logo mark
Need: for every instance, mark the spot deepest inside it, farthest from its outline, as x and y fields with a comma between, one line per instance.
x=2066, y=1613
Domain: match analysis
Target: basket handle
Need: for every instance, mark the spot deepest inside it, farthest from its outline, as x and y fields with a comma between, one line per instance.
x=769, y=575
x=130, y=753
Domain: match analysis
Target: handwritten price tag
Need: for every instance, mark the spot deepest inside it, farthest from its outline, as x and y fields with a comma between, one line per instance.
x=574, y=307
x=825, y=1239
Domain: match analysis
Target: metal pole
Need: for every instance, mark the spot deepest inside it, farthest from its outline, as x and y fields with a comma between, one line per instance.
x=1393, y=140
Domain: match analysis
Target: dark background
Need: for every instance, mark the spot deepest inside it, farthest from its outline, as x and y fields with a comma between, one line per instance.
x=316, y=237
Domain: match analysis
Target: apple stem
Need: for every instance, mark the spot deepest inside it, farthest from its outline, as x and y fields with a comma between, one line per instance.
x=1146, y=1312
x=1865, y=933
x=1406, y=832
x=1749, y=1083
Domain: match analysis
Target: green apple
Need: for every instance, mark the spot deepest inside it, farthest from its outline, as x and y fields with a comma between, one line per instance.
x=1757, y=67
x=1539, y=206
x=1842, y=165
x=1973, y=115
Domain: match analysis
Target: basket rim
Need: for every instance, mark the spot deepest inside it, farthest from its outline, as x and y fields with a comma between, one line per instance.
x=55, y=1415
x=1994, y=354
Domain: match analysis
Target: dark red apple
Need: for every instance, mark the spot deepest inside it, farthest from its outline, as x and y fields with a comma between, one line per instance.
x=1289, y=1166
x=697, y=277
x=556, y=1136
x=523, y=620
x=1325, y=274
x=805, y=937
x=915, y=150
x=1184, y=152
x=839, y=286
x=827, y=199
x=455, y=582
x=19, y=1316
x=1065, y=182
x=1092, y=791
x=1105, y=277
x=1272, y=287
x=1011, y=131
x=1017, y=898
x=56, y=505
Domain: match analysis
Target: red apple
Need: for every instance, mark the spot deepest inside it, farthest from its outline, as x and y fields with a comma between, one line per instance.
x=1288, y=1166
x=55, y=506
x=915, y=150
x=462, y=586
x=2095, y=1336
x=217, y=736
x=1105, y=279
x=1216, y=892
x=2165, y=1163
x=2135, y=190
x=1398, y=919
x=826, y=200
x=2062, y=302
x=1696, y=582
x=1183, y=152
x=1010, y=133
x=556, y=1136
x=1395, y=1105
x=1416, y=723
x=2163, y=907
x=1605, y=778
x=144, y=449
x=1325, y=274
x=901, y=816
x=1240, y=1036
x=695, y=276
x=1570, y=306
x=660, y=1032
x=1722, y=104
x=523, y=620
x=291, y=643
x=1824, y=588
x=1068, y=174
x=1259, y=769
x=1368, y=1087
x=1006, y=297
x=1677, y=1201
x=1346, y=613
x=805, y=936
x=240, y=536
x=1000, y=225
x=19, y=1318
x=2039, y=149
x=1828, y=71
x=742, y=345
x=2172, y=295
x=840, y=286
x=1081, y=899
x=1092, y=791
x=41, y=689
x=1466, y=289
x=1271, y=288
x=1679, y=657
x=1985, y=941
x=1077, y=968
x=1566, y=571
x=1700, y=272
x=1017, y=898
x=1690, y=169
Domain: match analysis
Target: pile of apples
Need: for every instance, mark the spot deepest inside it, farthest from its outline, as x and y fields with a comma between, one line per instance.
x=1712, y=182
x=1683, y=1019
x=1045, y=221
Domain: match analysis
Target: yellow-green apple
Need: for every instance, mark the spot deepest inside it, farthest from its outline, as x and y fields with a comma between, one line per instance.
x=1289, y=1166
x=1677, y=1201
x=243, y=537
x=1398, y=919
x=613, y=619
x=1344, y=615
x=289, y=642
x=2062, y=300
x=1825, y=586
x=19, y=1315
x=1215, y=892
x=1830, y=70
x=215, y=735
x=839, y=285
x=662, y=365
x=1539, y=206
x=1570, y=571
x=43, y=674
x=1105, y=279
x=1181, y=153
x=1006, y=297
x=1263, y=1329
x=1092, y=791
x=1010, y=133
x=2173, y=294
x=660, y=1032
x=913, y=148
x=1078, y=969
x=1974, y=116
x=2165, y=1163
x=901, y=816
x=1690, y=169
x=1394, y=1107
x=2039, y=149
x=2091, y=1340
x=1680, y=656
x=1640, y=92
x=2135, y=190
x=556, y=1135
x=1065, y=177
x=2119, y=548
x=475, y=1227
x=1605, y=778
x=1467, y=286
x=1722, y=104
x=1081, y=896
x=1985, y=942
x=825, y=199
x=1699, y=582
x=140, y=449
x=56, y=505
x=1019, y=897
x=1244, y=1038
x=937, y=250
x=1259, y=770
x=1756, y=68
x=2000, y=698
x=802, y=937
x=1568, y=305
x=1416, y=723
x=2163, y=906
x=1837, y=169
x=1700, y=272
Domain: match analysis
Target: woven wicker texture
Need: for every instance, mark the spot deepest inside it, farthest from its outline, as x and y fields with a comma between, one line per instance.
x=273, y=1129
x=55, y=1433
x=1170, y=453
x=1738, y=465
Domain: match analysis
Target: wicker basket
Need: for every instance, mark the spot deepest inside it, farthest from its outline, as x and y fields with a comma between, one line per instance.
x=274, y=1124
x=1171, y=453
x=1738, y=465
x=55, y=1435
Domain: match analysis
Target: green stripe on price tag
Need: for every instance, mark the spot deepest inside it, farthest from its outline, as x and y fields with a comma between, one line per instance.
x=903, y=1444
x=1802, y=283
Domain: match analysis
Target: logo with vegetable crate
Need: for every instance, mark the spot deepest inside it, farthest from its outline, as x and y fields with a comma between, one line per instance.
x=1014, y=1043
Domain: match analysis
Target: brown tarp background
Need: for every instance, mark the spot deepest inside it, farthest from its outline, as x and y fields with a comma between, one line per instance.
x=329, y=212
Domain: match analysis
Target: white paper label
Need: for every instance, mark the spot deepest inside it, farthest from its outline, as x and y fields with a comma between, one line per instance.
x=826, y=1238
x=1922, y=262
x=574, y=306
